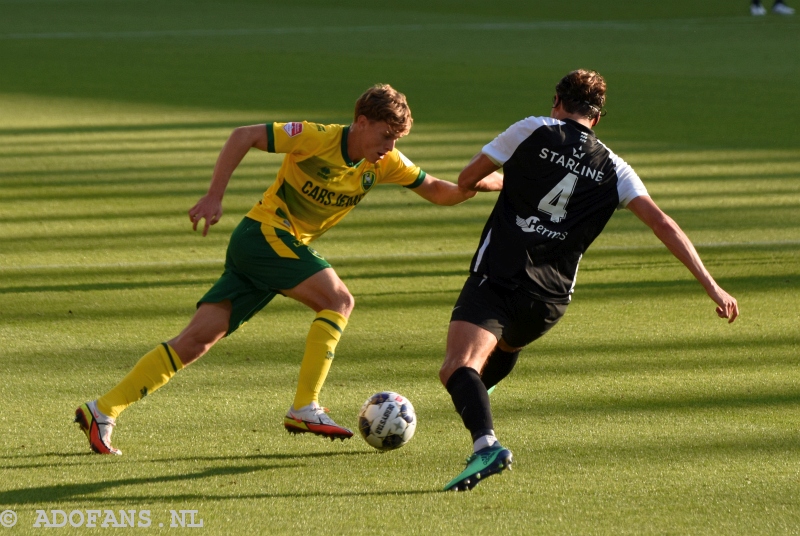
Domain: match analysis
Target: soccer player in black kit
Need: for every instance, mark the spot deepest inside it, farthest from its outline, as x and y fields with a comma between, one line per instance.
x=560, y=186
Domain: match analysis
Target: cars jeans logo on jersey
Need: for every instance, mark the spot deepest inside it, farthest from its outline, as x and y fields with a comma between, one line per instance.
x=367, y=180
x=293, y=129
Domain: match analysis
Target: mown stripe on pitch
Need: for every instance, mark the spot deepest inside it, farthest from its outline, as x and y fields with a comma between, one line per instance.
x=345, y=258
x=557, y=25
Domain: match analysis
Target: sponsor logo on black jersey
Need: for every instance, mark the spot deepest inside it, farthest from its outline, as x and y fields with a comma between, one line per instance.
x=529, y=225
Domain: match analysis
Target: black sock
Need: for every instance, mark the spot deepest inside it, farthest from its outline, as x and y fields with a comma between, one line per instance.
x=471, y=401
x=499, y=365
x=756, y=2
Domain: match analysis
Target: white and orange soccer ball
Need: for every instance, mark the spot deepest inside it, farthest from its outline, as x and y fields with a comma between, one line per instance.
x=387, y=420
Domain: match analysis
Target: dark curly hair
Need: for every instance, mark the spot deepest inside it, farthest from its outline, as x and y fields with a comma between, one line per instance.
x=583, y=91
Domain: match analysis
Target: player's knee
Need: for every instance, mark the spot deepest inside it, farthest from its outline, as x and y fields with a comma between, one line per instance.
x=342, y=302
x=444, y=375
x=448, y=367
x=349, y=303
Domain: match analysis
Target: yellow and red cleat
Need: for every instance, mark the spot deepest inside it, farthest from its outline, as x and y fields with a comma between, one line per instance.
x=313, y=419
x=97, y=428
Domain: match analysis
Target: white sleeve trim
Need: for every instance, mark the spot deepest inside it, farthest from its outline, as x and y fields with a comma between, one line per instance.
x=629, y=185
x=500, y=149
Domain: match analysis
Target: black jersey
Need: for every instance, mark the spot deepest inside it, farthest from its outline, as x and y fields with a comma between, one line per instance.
x=561, y=187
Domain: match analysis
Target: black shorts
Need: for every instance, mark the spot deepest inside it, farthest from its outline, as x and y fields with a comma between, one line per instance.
x=511, y=314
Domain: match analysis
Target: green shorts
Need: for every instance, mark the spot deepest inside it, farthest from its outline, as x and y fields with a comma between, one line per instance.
x=260, y=262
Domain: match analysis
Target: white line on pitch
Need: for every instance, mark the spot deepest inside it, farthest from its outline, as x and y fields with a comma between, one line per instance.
x=345, y=258
x=316, y=30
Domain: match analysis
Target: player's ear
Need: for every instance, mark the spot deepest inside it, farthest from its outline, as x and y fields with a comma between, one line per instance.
x=595, y=120
x=362, y=120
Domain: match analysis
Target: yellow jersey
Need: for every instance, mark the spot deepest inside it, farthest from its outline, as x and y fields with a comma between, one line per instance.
x=317, y=184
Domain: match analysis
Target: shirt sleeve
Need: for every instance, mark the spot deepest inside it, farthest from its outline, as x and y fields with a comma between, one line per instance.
x=301, y=138
x=629, y=185
x=500, y=149
x=398, y=169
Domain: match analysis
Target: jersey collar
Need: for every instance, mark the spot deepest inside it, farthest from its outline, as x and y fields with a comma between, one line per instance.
x=345, y=155
x=577, y=125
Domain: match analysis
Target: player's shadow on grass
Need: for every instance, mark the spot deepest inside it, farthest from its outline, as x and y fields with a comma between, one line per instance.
x=98, y=492
x=87, y=491
x=267, y=456
x=188, y=497
x=87, y=454
x=42, y=455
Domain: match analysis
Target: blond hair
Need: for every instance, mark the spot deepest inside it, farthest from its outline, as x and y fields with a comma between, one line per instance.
x=382, y=102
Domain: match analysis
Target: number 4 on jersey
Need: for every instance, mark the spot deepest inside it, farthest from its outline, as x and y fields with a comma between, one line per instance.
x=555, y=201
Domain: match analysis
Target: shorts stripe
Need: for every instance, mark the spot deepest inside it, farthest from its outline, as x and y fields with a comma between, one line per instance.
x=276, y=243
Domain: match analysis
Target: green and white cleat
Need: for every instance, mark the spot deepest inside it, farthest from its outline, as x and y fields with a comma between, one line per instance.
x=484, y=463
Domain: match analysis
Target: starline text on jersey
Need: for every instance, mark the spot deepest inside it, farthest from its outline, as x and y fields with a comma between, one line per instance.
x=572, y=165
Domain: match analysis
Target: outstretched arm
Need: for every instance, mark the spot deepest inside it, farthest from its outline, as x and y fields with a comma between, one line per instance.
x=209, y=207
x=481, y=175
x=440, y=192
x=679, y=244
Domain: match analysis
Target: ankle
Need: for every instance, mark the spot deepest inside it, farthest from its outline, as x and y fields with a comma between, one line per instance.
x=484, y=441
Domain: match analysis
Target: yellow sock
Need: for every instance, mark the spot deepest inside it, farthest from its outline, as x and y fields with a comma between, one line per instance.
x=152, y=371
x=326, y=329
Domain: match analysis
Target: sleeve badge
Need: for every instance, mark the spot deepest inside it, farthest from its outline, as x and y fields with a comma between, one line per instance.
x=293, y=129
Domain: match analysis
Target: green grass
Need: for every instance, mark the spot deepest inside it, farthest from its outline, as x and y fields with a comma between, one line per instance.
x=640, y=413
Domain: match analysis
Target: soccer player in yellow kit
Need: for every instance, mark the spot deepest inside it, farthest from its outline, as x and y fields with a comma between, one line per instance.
x=326, y=172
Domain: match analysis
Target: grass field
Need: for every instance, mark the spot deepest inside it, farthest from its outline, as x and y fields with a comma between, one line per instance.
x=640, y=413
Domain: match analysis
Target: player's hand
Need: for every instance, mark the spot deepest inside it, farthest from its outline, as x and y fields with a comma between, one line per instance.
x=727, y=307
x=207, y=208
x=467, y=194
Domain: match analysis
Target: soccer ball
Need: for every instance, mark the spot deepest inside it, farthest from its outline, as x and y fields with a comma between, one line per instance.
x=387, y=420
